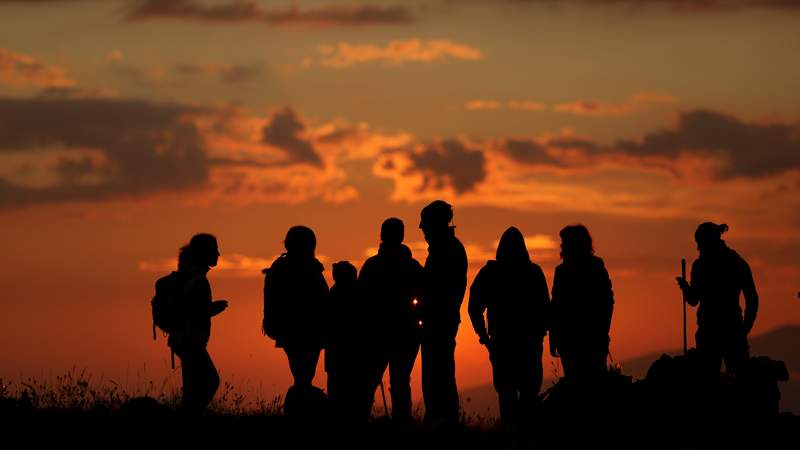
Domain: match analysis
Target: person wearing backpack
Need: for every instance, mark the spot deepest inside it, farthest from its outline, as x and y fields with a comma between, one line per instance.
x=185, y=313
x=295, y=296
x=512, y=291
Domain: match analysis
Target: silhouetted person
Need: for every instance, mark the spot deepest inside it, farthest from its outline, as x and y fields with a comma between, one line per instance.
x=189, y=340
x=512, y=291
x=390, y=282
x=295, y=296
x=350, y=359
x=444, y=284
x=581, y=308
x=718, y=277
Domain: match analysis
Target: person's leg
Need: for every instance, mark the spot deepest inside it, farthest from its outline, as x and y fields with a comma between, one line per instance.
x=449, y=387
x=504, y=385
x=200, y=380
x=211, y=379
x=429, y=388
x=710, y=354
x=401, y=362
x=303, y=364
x=736, y=352
x=529, y=377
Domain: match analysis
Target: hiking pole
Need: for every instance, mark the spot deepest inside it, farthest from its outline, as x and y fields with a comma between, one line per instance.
x=383, y=395
x=683, y=276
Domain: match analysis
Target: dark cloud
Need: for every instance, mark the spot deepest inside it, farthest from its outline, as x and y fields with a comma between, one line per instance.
x=448, y=162
x=681, y=5
x=250, y=11
x=743, y=149
x=527, y=151
x=227, y=73
x=145, y=148
x=750, y=149
x=285, y=131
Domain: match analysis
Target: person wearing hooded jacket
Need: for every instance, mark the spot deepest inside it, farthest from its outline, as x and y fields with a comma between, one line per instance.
x=581, y=308
x=719, y=277
x=295, y=296
x=512, y=292
x=390, y=282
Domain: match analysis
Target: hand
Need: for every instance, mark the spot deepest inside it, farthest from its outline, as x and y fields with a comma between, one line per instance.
x=218, y=306
x=682, y=283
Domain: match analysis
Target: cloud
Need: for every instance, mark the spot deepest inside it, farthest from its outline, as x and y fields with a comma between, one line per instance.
x=91, y=149
x=633, y=104
x=250, y=11
x=440, y=166
x=60, y=149
x=19, y=71
x=495, y=105
x=708, y=162
x=226, y=73
x=229, y=265
x=285, y=131
x=677, y=5
x=344, y=54
x=742, y=149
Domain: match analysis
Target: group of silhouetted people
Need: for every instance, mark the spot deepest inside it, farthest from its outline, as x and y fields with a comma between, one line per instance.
x=384, y=315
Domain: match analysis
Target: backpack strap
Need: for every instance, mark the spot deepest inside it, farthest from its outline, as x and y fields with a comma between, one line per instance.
x=154, y=330
x=172, y=357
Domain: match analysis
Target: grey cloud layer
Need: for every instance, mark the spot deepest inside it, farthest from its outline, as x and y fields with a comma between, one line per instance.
x=147, y=148
x=250, y=11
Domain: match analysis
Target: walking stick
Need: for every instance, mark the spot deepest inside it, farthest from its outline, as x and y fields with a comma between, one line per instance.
x=683, y=276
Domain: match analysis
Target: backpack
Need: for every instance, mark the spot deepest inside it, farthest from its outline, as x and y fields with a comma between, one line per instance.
x=166, y=305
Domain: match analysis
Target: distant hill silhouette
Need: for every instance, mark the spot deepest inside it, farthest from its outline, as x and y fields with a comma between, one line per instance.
x=780, y=343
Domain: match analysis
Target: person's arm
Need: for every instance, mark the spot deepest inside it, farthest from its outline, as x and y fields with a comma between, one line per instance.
x=750, y=297
x=477, y=307
x=691, y=293
x=608, y=293
x=554, y=314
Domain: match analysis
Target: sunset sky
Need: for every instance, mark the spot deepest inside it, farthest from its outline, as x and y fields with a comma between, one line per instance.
x=128, y=126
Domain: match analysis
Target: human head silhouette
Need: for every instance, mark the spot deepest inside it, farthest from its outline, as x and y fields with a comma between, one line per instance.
x=392, y=231
x=435, y=219
x=511, y=247
x=344, y=273
x=576, y=242
x=709, y=237
x=300, y=241
x=202, y=250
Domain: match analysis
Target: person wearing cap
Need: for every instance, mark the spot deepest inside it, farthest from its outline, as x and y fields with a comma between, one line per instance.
x=718, y=277
x=390, y=284
x=443, y=287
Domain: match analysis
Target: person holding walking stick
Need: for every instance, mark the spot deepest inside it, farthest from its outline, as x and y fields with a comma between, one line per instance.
x=718, y=277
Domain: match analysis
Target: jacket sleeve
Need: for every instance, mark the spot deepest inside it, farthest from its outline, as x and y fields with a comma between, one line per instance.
x=750, y=296
x=271, y=317
x=608, y=299
x=477, y=306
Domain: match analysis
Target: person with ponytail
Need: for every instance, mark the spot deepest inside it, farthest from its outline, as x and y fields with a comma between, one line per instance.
x=189, y=341
x=718, y=278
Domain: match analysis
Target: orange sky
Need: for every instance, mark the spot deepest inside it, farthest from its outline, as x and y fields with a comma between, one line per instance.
x=128, y=126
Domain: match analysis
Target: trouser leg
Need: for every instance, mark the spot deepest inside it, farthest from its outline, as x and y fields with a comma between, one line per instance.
x=401, y=363
x=439, y=389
